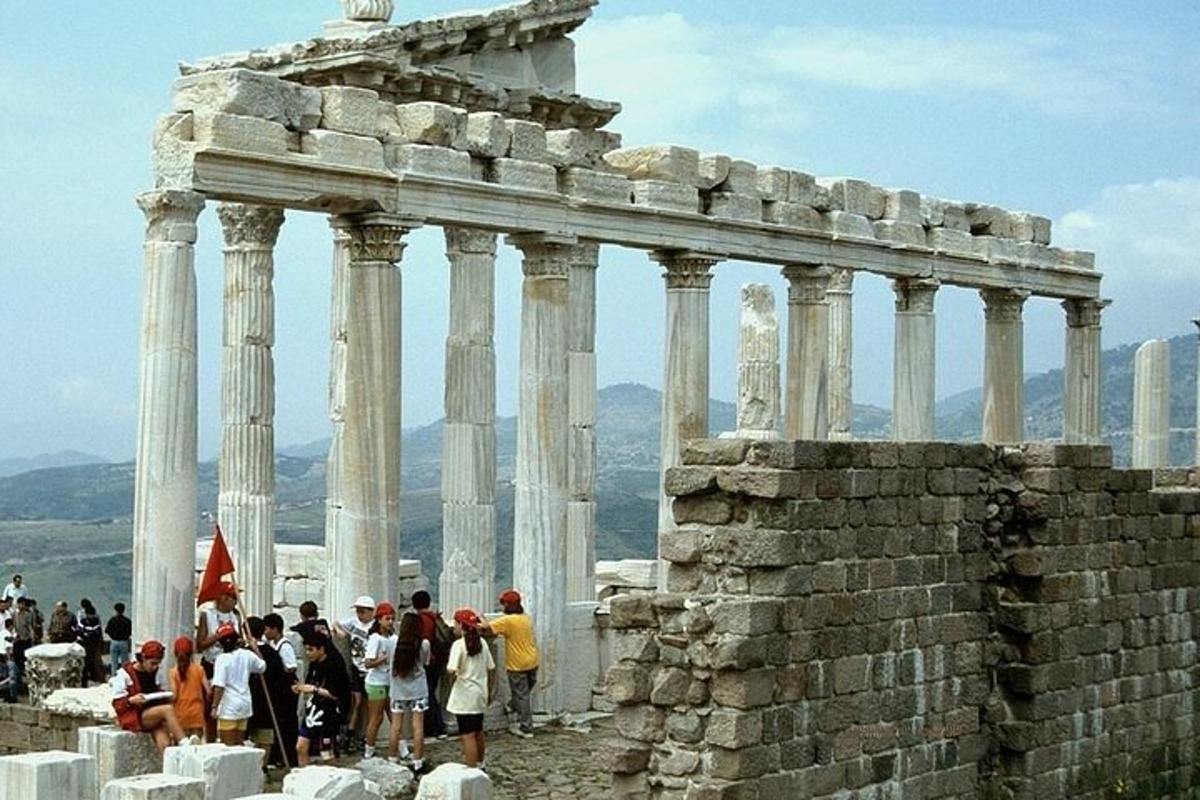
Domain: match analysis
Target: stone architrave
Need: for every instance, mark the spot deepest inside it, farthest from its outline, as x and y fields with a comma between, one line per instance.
x=362, y=541
x=806, y=400
x=1082, y=372
x=581, y=413
x=165, y=505
x=1003, y=366
x=1152, y=405
x=758, y=365
x=685, y=382
x=543, y=434
x=841, y=354
x=469, y=441
x=246, y=499
x=915, y=360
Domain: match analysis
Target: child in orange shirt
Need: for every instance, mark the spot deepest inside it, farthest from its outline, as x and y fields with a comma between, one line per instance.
x=191, y=688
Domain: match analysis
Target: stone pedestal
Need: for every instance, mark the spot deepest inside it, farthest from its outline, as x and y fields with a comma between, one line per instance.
x=806, y=402
x=52, y=774
x=841, y=354
x=155, y=787
x=455, y=782
x=758, y=365
x=581, y=416
x=246, y=501
x=363, y=537
x=1152, y=405
x=914, y=373
x=165, y=512
x=119, y=753
x=1082, y=372
x=228, y=772
x=50, y=667
x=469, y=439
x=541, y=481
x=1003, y=366
x=685, y=380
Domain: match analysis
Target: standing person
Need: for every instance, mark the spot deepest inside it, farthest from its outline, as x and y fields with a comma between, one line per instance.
x=87, y=628
x=520, y=658
x=38, y=620
x=356, y=630
x=191, y=688
x=474, y=673
x=273, y=701
x=139, y=701
x=310, y=622
x=119, y=630
x=273, y=636
x=409, y=693
x=326, y=690
x=23, y=639
x=15, y=590
x=62, y=624
x=439, y=651
x=222, y=612
x=231, y=703
x=381, y=643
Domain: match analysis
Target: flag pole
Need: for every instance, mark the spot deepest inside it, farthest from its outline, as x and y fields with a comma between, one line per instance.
x=266, y=693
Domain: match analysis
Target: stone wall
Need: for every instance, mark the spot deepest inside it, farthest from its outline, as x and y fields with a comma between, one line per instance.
x=916, y=620
x=25, y=729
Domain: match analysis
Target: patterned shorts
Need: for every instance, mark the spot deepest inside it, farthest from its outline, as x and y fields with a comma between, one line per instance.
x=406, y=706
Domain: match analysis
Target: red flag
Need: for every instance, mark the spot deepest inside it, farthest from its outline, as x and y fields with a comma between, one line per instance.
x=213, y=584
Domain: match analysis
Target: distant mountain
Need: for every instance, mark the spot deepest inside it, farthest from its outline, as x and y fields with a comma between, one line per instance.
x=63, y=458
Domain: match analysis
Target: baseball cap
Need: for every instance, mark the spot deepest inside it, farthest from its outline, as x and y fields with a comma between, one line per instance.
x=467, y=618
x=153, y=649
x=510, y=597
x=226, y=629
x=385, y=609
x=364, y=601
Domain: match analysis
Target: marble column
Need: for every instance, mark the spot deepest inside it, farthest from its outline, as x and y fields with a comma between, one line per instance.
x=806, y=403
x=758, y=365
x=165, y=502
x=581, y=413
x=1082, y=372
x=1003, y=366
x=337, y=393
x=246, y=465
x=1152, y=405
x=543, y=435
x=362, y=537
x=914, y=365
x=685, y=366
x=469, y=437
x=841, y=354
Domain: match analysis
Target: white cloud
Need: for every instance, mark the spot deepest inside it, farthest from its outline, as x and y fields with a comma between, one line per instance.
x=1144, y=236
x=83, y=394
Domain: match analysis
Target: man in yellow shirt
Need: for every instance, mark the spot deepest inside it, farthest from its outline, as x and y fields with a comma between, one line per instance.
x=520, y=657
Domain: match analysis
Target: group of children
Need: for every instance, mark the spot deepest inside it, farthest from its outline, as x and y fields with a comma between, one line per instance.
x=396, y=665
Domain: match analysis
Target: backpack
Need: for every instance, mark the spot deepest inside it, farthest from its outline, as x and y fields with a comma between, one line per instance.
x=440, y=640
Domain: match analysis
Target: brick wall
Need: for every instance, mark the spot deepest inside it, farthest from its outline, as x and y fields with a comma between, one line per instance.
x=877, y=620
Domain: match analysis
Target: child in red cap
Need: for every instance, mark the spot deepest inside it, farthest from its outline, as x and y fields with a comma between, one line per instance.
x=474, y=673
x=520, y=658
x=381, y=643
x=141, y=699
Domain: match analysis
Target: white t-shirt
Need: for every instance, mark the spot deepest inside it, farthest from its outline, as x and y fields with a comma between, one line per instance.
x=359, y=633
x=232, y=673
x=214, y=620
x=287, y=653
x=13, y=593
x=123, y=687
x=470, y=690
x=378, y=646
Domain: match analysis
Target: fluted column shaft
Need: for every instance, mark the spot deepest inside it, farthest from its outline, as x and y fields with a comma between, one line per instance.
x=469, y=440
x=1152, y=405
x=1082, y=372
x=1003, y=366
x=581, y=413
x=540, y=505
x=362, y=539
x=246, y=465
x=806, y=412
x=685, y=379
x=841, y=354
x=914, y=370
x=165, y=493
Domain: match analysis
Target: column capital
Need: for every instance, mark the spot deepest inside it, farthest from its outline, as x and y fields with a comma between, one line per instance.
x=171, y=215
x=686, y=269
x=807, y=283
x=841, y=281
x=375, y=237
x=1084, y=312
x=470, y=240
x=250, y=226
x=544, y=255
x=1003, y=305
x=915, y=295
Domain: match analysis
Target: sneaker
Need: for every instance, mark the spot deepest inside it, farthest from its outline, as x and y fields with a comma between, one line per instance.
x=526, y=732
x=368, y=751
x=417, y=765
x=515, y=729
x=193, y=740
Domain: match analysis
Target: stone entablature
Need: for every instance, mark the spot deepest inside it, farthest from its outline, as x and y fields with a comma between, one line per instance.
x=912, y=620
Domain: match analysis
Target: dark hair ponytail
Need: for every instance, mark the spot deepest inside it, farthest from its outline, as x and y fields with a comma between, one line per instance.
x=474, y=643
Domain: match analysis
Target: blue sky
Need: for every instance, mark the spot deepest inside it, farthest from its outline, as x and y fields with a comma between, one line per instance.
x=1086, y=112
